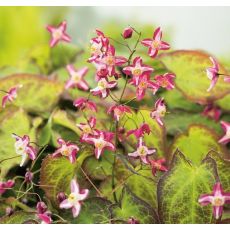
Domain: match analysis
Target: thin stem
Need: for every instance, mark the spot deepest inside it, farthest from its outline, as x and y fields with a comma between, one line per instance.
x=1, y=90
x=42, y=150
x=98, y=191
x=129, y=101
x=9, y=159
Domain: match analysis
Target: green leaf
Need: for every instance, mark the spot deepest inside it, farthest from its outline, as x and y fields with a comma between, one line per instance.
x=196, y=143
x=156, y=139
x=38, y=94
x=179, y=121
x=180, y=188
x=191, y=78
x=131, y=206
x=16, y=121
x=223, y=169
x=19, y=217
x=93, y=211
x=144, y=187
x=224, y=103
x=56, y=173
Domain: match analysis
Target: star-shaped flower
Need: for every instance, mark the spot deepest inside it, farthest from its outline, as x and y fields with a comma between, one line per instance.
x=166, y=80
x=101, y=141
x=217, y=199
x=159, y=111
x=158, y=165
x=118, y=111
x=58, y=34
x=155, y=44
x=226, y=127
x=11, y=95
x=139, y=132
x=142, y=152
x=66, y=149
x=137, y=69
x=23, y=148
x=75, y=198
x=87, y=128
x=83, y=104
x=77, y=78
x=103, y=87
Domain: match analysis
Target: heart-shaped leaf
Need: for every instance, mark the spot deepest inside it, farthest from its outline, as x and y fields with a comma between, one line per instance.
x=179, y=190
x=38, y=94
x=56, y=173
x=191, y=78
x=196, y=143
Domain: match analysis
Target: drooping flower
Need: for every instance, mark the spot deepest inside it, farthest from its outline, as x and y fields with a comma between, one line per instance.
x=118, y=111
x=101, y=141
x=142, y=152
x=43, y=214
x=158, y=165
x=75, y=198
x=83, y=104
x=99, y=46
x=103, y=87
x=212, y=112
x=226, y=127
x=87, y=128
x=77, y=78
x=166, y=80
x=132, y=220
x=159, y=111
x=29, y=177
x=217, y=199
x=66, y=149
x=6, y=185
x=58, y=34
x=23, y=148
x=11, y=95
x=144, y=84
x=139, y=132
x=212, y=73
x=137, y=69
x=127, y=32
x=110, y=61
x=155, y=44
x=61, y=196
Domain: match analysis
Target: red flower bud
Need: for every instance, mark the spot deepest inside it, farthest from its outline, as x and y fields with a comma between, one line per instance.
x=127, y=33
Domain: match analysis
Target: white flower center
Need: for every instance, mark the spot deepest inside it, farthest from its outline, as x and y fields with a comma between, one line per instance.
x=136, y=72
x=86, y=129
x=109, y=60
x=72, y=198
x=155, y=44
x=102, y=84
x=99, y=144
x=218, y=201
x=143, y=151
x=57, y=34
x=76, y=77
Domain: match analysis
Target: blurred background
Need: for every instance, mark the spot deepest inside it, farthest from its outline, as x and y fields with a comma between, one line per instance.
x=23, y=28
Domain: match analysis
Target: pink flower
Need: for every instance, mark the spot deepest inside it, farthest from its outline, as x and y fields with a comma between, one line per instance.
x=4, y=186
x=212, y=112
x=143, y=84
x=127, y=33
x=142, y=151
x=101, y=141
x=166, y=80
x=144, y=128
x=118, y=111
x=226, y=127
x=87, y=128
x=109, y=61
x=137, y=69
x=43, y=214
x=11, y=95
x=23, y=148
x=158, y=165
x=103, y=87
x=212, y=73
x=77, y=78
x=29, y=177
x=132, y=220
x=217, y=199
x=66, y=149
x=99, y=46
x=75, y=198
x=58, y=34
x=83, y=104
x=159, y=111
x=155, y=44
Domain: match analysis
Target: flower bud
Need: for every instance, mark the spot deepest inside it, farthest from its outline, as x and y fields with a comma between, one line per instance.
x=127, y=33
x=9, y=211
x=41, y=207
x=61, y=196
x=132, y=220
x=28, y=177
